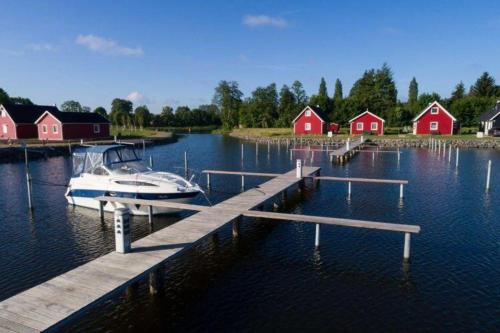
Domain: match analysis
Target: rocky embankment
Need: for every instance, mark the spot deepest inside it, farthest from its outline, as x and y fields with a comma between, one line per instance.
x=410, y=142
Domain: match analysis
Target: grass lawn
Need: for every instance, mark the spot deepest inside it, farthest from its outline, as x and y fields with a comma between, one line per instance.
x=137, y=133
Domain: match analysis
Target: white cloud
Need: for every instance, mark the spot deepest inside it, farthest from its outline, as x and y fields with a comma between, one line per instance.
x=137, y=98
x=264, y=20
x=107, y=46
x=40, y=47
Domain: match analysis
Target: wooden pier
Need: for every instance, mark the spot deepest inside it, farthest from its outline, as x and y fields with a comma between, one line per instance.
x=52, y=304
x=345, y=152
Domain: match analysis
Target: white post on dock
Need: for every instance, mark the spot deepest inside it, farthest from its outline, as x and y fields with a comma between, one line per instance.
x=150, y=215
x=456, y=159
x=401, y=189
x=151, y=161
x=439, y=147
x=348, y=144
x=268, y=149
x=406, y=253
x=186, y=170
x=488, y=176
x=242, y=153
x=122, y=230
x=373, y=156
x=299, y=169
x=28, y=177
x=399, y=155
x=208, y=180
x=449, y=153
x=349, y=190
x=316, y=238
x=444, y=149
x=242, y=182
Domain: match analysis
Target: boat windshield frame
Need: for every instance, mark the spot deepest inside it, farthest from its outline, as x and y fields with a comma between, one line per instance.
x=89, y=158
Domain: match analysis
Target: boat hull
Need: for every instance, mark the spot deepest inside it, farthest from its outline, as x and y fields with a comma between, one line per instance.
x=92, y=203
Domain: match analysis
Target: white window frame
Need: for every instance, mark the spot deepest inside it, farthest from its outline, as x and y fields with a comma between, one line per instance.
x=434, y=110
x=308, y=113
x=45, y=129
x=358, y=127
x=433, y=122
x=97, y=128
x=55, y=129
x=4, y=114
x=5, y=128
x=307, y=126
x=374, y=128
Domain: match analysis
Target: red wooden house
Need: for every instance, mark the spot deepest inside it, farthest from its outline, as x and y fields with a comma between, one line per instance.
x=367, y=122
x=18, y=121
x=57, y=125
x=434, y=119
x=313, y=121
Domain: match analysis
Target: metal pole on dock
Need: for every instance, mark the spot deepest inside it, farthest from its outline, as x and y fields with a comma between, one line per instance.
x=186, y=170
x=456, y=159
x=28, y=178
x=151, y=161
x=316, y=238
x=242, y=182
x=488, y=176
x=122, y=230
x=406, y=252
x=150, y=215
x=349, y=190
x=208, y=180
x=299, y=169
x=401, y=189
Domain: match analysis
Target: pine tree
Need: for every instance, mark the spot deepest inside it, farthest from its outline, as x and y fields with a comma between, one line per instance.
x=484, y=86
x=413, y=92
x=321, y=99
x=459, y=92
x=338, y=94
x=300, y=94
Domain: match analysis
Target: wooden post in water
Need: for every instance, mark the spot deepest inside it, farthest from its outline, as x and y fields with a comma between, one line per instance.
x=349, y=190
x=242, y=153
x=399, y=155
x=101, y=210
x=28, y=178
x=456, y=157
x=488, y=176
x=268, y=149
x=401, y=188
x=316, y=236
x=186, y=170
x=69, y=146
x=406, y=252
x=236, y=227
x=242, y=182
x=208, y=180
x=150, y=215
x=449, y=153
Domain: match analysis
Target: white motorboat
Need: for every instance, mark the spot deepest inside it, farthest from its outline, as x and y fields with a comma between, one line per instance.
x=116, y=170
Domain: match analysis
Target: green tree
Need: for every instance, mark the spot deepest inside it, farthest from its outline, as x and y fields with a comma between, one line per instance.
x=71, y=106
x=102, y=111
x=413, y=92
x=386, y=92
x=167, y=116
x=121, y=112
x=288, y=108
x=459, y=92
x=425, y=99
x=299, y=94
x=183, y=116
x=4, y=97
x=468, y=109
x=321, y=99
x=484, y=86
x=338, y=94
x=142, y=116
x=228, y=98
x=261, y=109
x=21, y=101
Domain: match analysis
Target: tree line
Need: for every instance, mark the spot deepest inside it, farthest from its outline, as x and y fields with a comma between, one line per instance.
x=374, y=90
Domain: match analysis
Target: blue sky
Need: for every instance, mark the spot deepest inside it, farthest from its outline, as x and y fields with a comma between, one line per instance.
x=166, y=52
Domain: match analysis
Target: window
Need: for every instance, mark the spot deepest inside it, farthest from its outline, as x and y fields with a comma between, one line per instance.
x=374, y=126
x=307, y=126
x=54, y=129
x=308, y=113
x=97, y=128
x=434, y=125
x=44, y=129
x=5, y=128
x=359, y=126
x=434, y=110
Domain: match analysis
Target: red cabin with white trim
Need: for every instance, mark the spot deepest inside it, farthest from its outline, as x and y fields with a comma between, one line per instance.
x=56, y=125
x=434, y=119
x=17, y=121
x=366, y=122
x=313, y=121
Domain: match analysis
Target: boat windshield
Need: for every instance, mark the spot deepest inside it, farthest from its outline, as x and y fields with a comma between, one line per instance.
x=114, y=157
x=127, y=168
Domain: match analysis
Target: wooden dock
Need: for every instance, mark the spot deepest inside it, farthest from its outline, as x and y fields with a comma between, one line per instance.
x=348, y=150
x=51, y=304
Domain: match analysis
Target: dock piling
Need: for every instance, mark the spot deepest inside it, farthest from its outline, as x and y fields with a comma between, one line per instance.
x=406, y=253
x=186, y=170
x=151, y=161
x=488, y=176
x=101, y=210
x=122, y=230
x=299, y=169
x=349, y=190
x=401, y=189
x=242, y=182
x=150, y=215
x=456, y=157
x=316, y=237
x=208, y=180
x=28, y=178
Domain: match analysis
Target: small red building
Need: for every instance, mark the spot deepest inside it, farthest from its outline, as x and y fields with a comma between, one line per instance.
x=435, y=119
x=57, y=125
x=366, y=122
x=313, y=121
x=18, y=121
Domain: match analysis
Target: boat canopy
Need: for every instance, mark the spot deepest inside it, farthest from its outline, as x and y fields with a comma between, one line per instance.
x=86, y=159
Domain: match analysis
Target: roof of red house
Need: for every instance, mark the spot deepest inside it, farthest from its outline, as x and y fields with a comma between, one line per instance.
x=431, y=105
x=491, y=114
x=317, y=110
x=362, y=114
x=27, y=114
x=76, y=117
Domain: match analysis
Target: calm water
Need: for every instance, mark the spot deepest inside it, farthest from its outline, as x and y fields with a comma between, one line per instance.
x=271, y=278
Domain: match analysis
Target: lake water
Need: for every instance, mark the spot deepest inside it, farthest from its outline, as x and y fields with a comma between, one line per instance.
x=272, y=278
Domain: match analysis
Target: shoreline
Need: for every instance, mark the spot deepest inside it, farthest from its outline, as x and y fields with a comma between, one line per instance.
x=401, y=142
x=15, y=153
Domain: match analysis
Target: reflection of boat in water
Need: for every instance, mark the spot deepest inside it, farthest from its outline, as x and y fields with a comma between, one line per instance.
x=115, y=170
